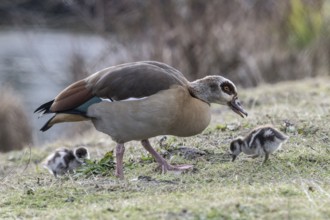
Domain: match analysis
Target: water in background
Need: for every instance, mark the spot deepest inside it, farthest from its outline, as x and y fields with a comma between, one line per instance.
x=37, y=64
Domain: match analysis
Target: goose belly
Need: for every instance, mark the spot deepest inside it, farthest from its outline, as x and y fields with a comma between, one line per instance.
x=172, y=114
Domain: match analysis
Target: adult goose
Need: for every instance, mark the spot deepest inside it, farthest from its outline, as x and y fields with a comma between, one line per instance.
x=140, y=100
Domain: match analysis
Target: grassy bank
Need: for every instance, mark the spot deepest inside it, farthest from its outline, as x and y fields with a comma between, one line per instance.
x=295, y=184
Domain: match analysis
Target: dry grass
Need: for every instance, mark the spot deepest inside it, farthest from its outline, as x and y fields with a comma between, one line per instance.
x=294, y=185
x=15, y=128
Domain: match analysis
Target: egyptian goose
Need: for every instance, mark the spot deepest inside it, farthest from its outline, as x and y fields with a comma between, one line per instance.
x=261, y=141
x=64, y=160
x=140, y=100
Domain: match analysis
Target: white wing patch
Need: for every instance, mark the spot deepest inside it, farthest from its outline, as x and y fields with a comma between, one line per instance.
x=268, y=133
x=123, y=100
x=133, y=99
x=106, y=100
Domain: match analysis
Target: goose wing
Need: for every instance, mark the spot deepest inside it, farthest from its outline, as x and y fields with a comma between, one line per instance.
x=130, y=80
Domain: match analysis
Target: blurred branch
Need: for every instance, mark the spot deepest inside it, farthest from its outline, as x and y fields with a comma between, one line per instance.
x=247, y=41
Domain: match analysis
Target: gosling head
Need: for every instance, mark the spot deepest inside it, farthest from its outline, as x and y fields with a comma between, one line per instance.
x=236, y=147
x=217, y=89
x=81, y=153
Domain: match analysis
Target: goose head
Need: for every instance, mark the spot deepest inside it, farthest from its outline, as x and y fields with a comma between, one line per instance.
x=217, y=89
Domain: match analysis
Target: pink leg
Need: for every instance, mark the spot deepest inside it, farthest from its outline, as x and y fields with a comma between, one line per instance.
x=161, y=161
x=120, y=149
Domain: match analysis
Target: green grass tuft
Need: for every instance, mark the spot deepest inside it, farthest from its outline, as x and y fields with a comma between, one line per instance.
x=104, y=167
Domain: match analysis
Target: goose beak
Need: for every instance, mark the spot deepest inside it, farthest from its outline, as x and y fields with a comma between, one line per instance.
x=233, y=157
x=236, y=106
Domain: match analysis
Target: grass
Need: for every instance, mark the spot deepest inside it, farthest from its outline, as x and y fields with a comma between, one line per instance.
x=293, y=185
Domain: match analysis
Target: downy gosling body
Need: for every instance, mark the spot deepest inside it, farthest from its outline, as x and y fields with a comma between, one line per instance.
x=64, y=160
x=261, y=141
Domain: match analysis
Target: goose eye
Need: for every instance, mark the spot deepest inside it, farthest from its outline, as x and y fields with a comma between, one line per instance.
x=226, y=88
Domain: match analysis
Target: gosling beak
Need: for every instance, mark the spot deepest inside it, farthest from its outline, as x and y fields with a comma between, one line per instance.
x=236, y=106
x=233, y=157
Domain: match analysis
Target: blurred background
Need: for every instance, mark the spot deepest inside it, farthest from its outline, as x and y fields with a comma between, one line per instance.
x=46, y=45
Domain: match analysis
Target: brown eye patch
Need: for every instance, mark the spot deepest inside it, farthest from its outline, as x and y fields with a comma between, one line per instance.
x=228, y=88
x=214, y=87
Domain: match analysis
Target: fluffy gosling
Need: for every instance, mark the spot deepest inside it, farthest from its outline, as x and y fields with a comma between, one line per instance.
x=261, y=141
x=64, y=160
